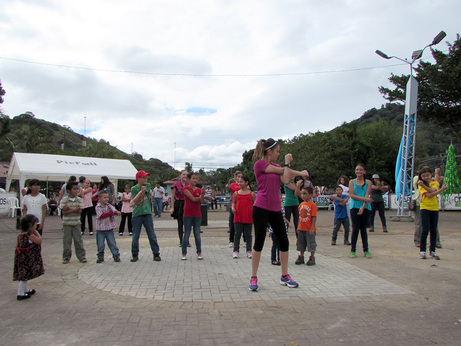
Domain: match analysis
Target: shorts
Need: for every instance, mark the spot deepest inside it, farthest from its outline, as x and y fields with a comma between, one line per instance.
x=306, y=241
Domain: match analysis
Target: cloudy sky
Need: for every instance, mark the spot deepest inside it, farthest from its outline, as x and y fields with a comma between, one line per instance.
x=201, y=81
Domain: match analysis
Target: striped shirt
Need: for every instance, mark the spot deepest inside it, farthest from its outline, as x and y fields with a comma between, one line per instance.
x=107, y=223
x=72, y=219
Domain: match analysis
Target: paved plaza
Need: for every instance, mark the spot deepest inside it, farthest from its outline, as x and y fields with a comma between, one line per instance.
x=392, y=299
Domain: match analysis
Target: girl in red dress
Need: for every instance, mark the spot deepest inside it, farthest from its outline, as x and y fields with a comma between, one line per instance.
x=28, y=263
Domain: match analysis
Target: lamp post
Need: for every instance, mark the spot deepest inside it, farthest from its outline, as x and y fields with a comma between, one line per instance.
x=405, y=161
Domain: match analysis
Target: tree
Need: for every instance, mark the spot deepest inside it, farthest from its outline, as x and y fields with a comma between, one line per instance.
x=2, y=93
x=439, y=98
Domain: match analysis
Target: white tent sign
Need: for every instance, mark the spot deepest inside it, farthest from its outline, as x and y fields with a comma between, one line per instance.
x=45, y=167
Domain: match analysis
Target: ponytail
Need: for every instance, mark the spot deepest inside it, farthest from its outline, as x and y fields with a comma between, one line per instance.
x=262, y=147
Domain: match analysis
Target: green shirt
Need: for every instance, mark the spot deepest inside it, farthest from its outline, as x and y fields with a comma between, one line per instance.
x=290, y=199
x=72, y=219
x=144, y=207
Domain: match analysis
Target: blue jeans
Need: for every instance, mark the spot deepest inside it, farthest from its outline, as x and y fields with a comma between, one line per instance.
x=148, y=222
x=158, y=205
x=109, y=236
x=337, y=226
x=429, y=221
x=190, y=222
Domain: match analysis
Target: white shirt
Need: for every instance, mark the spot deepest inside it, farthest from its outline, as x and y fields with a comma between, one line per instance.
x=34, y=205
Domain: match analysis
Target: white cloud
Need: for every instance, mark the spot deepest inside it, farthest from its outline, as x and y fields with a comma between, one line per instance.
x=155, y=112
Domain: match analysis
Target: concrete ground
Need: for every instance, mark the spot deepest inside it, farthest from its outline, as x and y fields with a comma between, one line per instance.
x=392, y=299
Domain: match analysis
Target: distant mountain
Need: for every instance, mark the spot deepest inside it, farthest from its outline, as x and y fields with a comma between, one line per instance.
x=26, y=133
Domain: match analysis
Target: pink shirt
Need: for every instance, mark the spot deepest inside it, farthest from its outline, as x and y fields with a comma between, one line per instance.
x=179, y=195
x=87, y=199
x=127, y=207
x=268, y=196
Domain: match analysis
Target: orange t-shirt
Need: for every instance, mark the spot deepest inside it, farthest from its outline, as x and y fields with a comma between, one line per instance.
x=307, y=210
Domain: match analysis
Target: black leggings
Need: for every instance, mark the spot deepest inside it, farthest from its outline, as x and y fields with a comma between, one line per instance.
x=261, y=219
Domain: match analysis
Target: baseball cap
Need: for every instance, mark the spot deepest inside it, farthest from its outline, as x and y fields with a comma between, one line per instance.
x=141, y=174
x=375, y=176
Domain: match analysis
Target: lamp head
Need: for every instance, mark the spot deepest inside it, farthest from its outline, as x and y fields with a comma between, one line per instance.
x=438, y=38
x=417, y=54
x=381, y=54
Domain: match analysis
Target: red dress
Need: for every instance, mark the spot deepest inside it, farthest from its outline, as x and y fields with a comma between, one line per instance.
x=28, y=263
x=243, y=208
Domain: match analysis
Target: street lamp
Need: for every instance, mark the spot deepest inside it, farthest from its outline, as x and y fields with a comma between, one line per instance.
x=405, y=161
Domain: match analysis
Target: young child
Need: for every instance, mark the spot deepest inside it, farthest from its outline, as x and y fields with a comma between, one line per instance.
x=105, y=224
x=306, y=227
x=127, y=211
x=242, y=207
x=429, y=207
x=86, y=192
x=35, y=203
x=194, y=196
x=340, y=201
x=28, y=263
x=71, y=206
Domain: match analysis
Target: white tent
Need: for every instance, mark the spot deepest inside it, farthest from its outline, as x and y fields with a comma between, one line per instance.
x=45, y=167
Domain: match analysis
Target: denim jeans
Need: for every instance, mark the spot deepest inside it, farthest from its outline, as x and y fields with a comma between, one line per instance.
x=359, y=224
x=429, y=221
x=337, y=226
x=109, y=236
x=380, y=207
x=190, y=222
x=244, y=228
x=148, y=222
x=158, y=204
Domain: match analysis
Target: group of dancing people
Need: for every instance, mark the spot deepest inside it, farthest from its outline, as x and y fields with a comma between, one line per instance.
x=262, y=210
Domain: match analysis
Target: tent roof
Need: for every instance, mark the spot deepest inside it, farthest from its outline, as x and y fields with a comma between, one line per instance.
x=61, y=167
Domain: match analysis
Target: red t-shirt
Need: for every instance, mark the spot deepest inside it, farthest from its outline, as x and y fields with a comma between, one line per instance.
x=243, y=208
x=234, y=187
x=192, y=209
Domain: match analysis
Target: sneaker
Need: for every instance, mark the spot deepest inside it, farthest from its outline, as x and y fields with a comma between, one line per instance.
x=385, y=229
x=91, y=233
x=120, y=233
x=288, y=281
x=417, y=244
x=333, y=242
x=231, y=244
x=434, y=255
x=100, y=260
x=372, y=229
x=180, y=245
x=253, y=284
x=65, y=261
x=83, y=260
x=134, y=258
x=157, y=257
x=438, y=246
x=235, y=254
x=183, y=257
x=25, y=296
x=367, y=254
x=300, y=260
x=116, y=259
x=249, y=254
x=199, y=256
x=131, y=233
x=422, y=255
x=352, y=254
x=347, y=242
x=188, y=245
x=311, y=261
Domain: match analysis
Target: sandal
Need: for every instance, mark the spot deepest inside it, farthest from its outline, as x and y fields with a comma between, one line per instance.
x=276, y=263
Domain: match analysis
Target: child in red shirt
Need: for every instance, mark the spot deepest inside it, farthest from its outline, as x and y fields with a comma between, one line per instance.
x=306, y=227
x=242, y=207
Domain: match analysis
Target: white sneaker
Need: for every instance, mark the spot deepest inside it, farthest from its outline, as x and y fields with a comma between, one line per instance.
x=231, y=244
x=199, y=256
x=249, y=254
x=235, y=254
x=422, y=255
x=183, y=257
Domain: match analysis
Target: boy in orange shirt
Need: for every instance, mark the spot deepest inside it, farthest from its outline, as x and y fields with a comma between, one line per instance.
x=306, y=227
